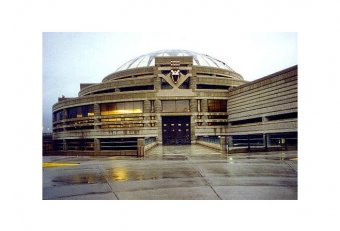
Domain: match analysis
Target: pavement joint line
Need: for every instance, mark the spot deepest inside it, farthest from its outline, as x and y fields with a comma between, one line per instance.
x=200, y=172
x=102, y=172
x=291, y=167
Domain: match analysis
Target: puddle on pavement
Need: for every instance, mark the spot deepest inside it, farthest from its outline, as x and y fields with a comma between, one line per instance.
x=79, y=179
x=124, y=174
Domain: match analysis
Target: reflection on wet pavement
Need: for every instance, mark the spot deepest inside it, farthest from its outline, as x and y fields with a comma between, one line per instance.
x=124, y=174
x=56, y=164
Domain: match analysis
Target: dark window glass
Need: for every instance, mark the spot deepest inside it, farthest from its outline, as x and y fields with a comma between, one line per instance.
x=216, y=87
x=80, y=111
x=118, y=144
x=247, y=121
x=292, y=115
x=87, y=110
x=248, y=140
x=80, y=144
x=283, y=139
x=103, y=91
x=185, y=84
x=137, y=88
x=217, y=105
x=58, y=115
x=165, y=84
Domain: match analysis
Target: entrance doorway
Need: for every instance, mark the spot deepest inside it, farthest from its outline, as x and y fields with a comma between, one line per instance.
x=176, y=130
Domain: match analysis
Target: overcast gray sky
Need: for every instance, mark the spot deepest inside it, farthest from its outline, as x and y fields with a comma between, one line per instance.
x=73, y=58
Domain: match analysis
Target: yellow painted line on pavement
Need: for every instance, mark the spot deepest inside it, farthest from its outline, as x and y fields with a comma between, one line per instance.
x=58, y=164
x=294, y=158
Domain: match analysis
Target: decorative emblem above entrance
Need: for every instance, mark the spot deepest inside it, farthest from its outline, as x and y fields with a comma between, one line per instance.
x=175, y=75
x=175, y=72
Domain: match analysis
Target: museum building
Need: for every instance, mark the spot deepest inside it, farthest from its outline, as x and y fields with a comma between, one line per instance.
x=177, y=97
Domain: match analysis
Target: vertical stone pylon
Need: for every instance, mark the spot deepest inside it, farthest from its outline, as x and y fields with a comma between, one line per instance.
x=96, y=111
x=193, y=110
x=204, y=108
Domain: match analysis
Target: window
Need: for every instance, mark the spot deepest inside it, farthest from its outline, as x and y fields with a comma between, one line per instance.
x=87, y=110
x=185, y=84
x=217, y=105
x=215, y=117
x=213, y=87
x=58, y=115
x=248, y=140
x=175, y=106
x=80, y=144
x=283, y=139
x=121, y=108
x=247, y=121
x=209, y=139
x=103, y=91
x=58, y=145
x=165, y=84
x=118, y=144
x=292, y=115
x=81, y=111
x=137, y=88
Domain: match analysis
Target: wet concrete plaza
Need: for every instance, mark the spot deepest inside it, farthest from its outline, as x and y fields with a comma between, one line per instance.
x=190, y=172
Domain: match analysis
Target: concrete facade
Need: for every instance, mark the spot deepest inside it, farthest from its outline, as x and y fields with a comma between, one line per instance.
x=128, y=109
x=266, y=107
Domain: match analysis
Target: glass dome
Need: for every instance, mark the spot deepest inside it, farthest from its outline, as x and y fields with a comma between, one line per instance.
x=148, y=60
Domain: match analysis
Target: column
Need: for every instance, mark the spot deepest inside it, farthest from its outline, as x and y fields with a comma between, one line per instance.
x=146, y=106
x=265, y=141
x=64, y=145
x=140, y=147
x=159, y=137
x=96, y=111
x=96, y=145
x=146, y=109
x=204, y=108
x=158, y=106
x=65, y=115
x=223, y=145
x=157, y=82
x=193, y=105
x=193, y=110
x=228, y=143
x=193, y=80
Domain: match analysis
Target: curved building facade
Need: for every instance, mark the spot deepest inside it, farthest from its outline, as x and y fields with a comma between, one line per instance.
x=168, y=97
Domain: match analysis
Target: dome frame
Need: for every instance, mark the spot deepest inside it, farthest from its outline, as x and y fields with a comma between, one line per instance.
x=148, y=60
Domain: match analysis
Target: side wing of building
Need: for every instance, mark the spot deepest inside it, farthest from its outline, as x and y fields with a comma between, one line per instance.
x=264, y=113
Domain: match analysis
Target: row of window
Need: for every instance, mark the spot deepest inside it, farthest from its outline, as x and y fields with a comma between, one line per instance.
x=88, y=144
x=251, y=140
x=284, y=116
x=137, y=107
x=164, y=85
x=258, y=140
x=123, y=89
